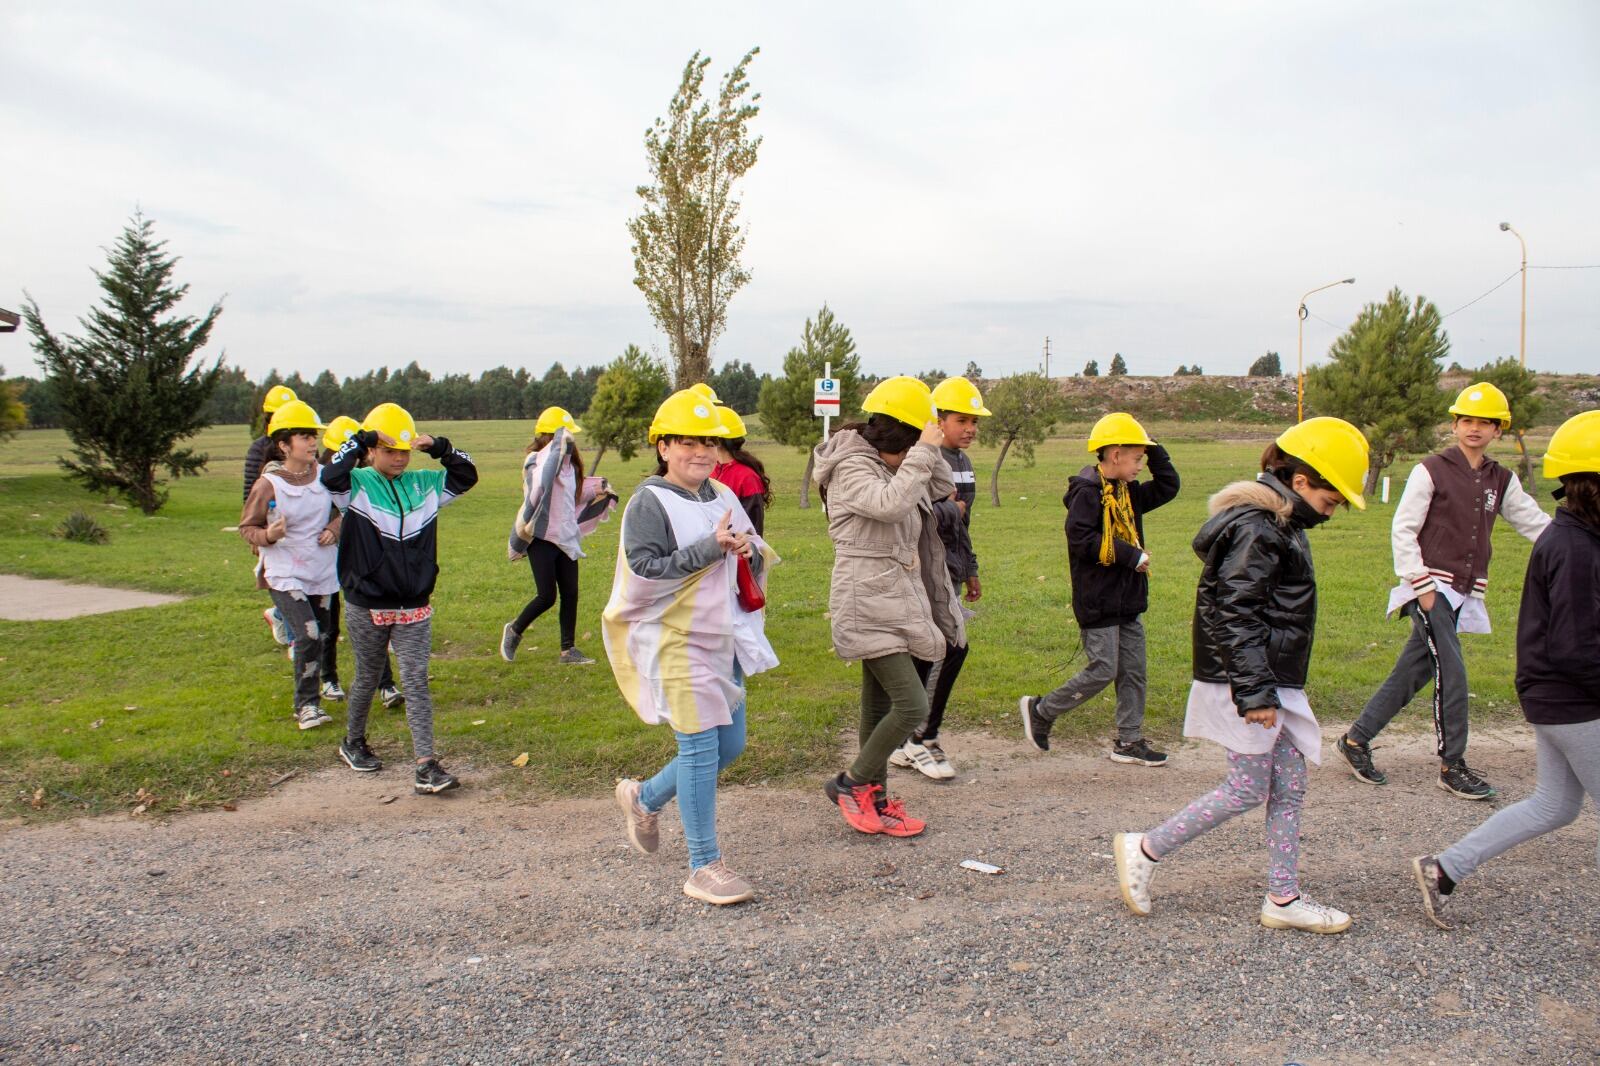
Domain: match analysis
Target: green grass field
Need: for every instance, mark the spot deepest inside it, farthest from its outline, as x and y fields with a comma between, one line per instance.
x=190, y=702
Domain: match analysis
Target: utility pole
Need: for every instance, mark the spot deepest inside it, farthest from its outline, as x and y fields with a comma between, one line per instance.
x=1047, y=358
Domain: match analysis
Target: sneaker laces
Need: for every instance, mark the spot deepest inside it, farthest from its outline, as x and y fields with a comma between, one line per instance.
x=1321, y=910
x=866, y=792
x=1467, y=773
x=893, y=808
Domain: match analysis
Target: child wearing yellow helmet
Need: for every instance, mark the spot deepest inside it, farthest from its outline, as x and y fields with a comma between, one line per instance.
x=261, y=452
x=291, y=521
x=1441, y=540
x=388, y=563
x=1558, y=671
x=959, y=405
x=890, y=601
x=559, y=506
x=1109, y=562
x=341, y=429
x=681, y=635
x=741, y=471
x=1255, y=613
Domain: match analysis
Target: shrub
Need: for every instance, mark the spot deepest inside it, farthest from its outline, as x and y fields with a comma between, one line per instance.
x=81, y=527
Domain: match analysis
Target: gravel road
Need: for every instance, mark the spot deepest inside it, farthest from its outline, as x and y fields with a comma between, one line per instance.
x=322, y=924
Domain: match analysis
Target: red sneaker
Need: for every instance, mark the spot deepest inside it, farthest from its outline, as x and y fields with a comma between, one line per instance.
x=896, y=822
x=856, y=803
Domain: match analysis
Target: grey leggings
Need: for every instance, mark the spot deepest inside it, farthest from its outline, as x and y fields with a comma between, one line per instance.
x=1279, y=779
x=1569, y=766
x=412, y=645
x=307, y=620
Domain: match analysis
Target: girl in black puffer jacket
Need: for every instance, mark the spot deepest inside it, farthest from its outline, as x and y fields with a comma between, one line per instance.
x=1255, y=612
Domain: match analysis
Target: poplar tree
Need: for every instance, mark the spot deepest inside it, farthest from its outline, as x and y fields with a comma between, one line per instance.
x=127, y=393
x=785, y=402
x=1382, y=375
x=687, y=240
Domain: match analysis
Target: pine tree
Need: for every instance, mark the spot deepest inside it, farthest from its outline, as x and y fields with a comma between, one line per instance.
x=1266, y=366
x=1382, y=375
x=1091, y=369
x=625, y=399
x=127, y=393
x=1119, y=365
x=1025, y=409
x=785, y=403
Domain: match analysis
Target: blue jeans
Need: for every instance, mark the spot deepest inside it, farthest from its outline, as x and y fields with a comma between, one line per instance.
x=692, y=777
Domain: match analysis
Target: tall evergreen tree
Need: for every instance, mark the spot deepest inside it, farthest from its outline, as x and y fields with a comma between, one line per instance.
x=1382, y=374
x=127, y=393
x=785, y=403
x=1266, y=366
x=687, y=240
x=1520, y=386
x=1119, y=366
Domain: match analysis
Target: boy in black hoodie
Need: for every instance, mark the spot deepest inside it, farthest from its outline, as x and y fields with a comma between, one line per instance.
x=1110, y=583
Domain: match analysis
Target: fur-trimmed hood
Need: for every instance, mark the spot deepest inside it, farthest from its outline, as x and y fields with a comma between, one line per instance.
x=1256, y=494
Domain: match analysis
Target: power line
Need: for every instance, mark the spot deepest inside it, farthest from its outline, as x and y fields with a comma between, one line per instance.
x=1475, y=299
x=1582, y=266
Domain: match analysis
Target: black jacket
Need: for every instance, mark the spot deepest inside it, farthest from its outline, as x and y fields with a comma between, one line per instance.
x=1558, y=659
x=1117, y=594
x=258, y=456
x=959, y=557
x=1255, y=610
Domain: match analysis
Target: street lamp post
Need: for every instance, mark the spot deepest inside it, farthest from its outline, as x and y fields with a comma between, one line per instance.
x=1300, y=353
x=1522, y=342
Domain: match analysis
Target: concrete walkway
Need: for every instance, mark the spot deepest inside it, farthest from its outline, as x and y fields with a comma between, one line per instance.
x=27, y=599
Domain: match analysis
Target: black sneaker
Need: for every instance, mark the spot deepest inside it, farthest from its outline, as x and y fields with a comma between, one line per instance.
x=358, y=756
x=1035, y=726
x=1458, y=780
x=509, y=639
x=1139, y=752
x=431, y=777
x=1359, y=756
x=1426, y=868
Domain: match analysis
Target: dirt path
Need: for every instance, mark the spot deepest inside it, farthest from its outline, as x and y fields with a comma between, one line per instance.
x=323, y=924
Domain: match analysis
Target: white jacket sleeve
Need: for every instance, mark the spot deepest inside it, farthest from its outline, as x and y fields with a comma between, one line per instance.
x=1409, y=515
x=1523, y=511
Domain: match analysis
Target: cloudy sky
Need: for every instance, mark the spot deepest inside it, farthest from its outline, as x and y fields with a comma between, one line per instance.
x=372, y=183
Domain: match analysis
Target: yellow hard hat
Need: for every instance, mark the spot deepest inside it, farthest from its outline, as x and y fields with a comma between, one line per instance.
x=961, y=396
x=1118, y=427
x=296, y=414
x=905, y=398
x=705, y=391
x=1483, y=400
x=394, y=421
x=686, y=413
x=731, y=420
x=276, y=397
x=1333, y=448
x=1575, y=447
x=340, y=430
x=554, y=418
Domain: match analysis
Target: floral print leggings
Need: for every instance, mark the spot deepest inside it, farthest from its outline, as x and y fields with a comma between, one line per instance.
x=1279, y=780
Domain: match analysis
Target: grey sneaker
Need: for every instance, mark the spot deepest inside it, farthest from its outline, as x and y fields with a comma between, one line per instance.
x=643, y=833
x=392, y=696
x=574, y=657
x=310, y=716
x=1426, y=869
x=509, y=639
x=1134, y=870
x=1303, y=914
x=332, y=691
x=716, y=884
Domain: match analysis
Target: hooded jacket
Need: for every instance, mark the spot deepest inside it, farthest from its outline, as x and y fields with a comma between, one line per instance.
x=1117, y=594
x=890, y=590
x=1558, y=661
x=1255, y=609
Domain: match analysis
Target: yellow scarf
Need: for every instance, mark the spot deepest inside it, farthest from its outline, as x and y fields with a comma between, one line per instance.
x=1117, y=520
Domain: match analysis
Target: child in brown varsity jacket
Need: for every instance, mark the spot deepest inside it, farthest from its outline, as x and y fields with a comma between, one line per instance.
x=1441, y=555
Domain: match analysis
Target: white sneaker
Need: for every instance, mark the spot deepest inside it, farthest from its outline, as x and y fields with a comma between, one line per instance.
x=280, y=628
x=310, y=716
x=332, y=691
x=946, y=769
x=917, y=756
x=1303, y=914
x=1134, y=870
